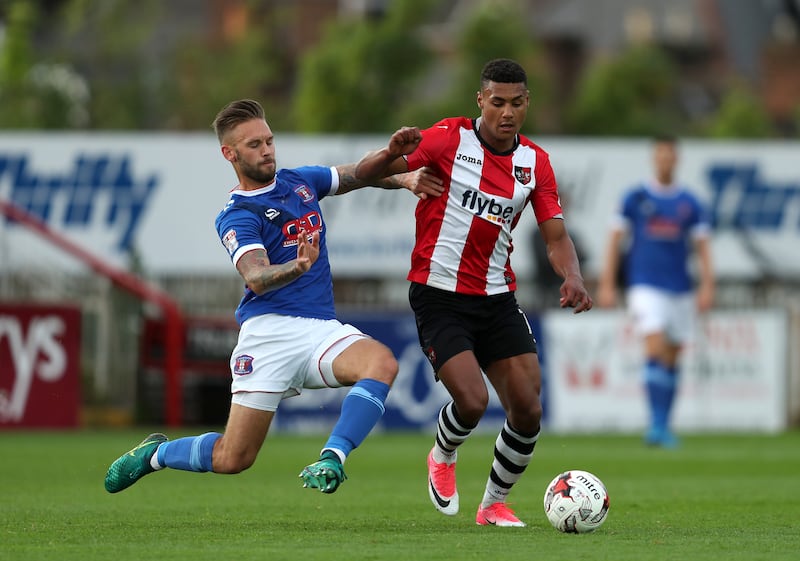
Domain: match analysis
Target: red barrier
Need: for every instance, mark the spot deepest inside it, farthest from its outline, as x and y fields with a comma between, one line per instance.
x=140, y=288
x=39, y=366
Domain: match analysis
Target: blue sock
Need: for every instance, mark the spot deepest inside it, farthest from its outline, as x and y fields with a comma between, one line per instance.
x=191, y=453
x=661, y=383
x=361, y=409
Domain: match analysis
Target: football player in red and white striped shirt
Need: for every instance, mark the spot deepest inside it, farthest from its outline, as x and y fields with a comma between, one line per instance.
x=462, y=284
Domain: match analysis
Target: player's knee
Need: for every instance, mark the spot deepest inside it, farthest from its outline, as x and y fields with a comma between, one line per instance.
x=233, y=463
x=471, y=407
x=384, y=366
x=526, y=417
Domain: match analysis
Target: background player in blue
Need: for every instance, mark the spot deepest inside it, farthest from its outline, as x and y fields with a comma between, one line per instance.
x=289, y=338
x=662, y=222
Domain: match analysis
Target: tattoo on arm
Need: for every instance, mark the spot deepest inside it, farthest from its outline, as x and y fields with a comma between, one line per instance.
x=347, y=178
x=348, y=181
x=261, y=276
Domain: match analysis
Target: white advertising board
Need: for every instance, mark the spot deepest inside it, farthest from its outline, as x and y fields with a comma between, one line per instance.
x=733, y=376
x=158, y=194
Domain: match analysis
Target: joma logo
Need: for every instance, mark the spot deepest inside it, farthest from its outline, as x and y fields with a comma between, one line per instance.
x=469, y=159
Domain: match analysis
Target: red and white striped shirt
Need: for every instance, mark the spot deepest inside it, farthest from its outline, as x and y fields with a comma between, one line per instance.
x=463, y=238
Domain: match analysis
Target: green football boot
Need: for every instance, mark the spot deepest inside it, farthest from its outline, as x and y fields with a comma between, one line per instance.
x=326, y=474
x=134, y=465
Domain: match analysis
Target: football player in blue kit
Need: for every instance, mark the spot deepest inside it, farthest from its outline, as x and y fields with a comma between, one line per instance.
x=664, y=224
x=289, y=338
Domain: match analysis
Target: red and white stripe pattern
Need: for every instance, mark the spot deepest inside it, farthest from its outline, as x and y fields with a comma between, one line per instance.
x=463, y=239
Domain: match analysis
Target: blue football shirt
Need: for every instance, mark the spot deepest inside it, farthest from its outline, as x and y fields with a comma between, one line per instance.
x=662, y=223
x=271, y=218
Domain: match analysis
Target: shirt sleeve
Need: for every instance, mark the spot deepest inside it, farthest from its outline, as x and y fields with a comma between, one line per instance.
x=430, y=148
x=701, y=223
x=334, y=181
x=239, y=231
x=322, y=180
x=626, y=213
x=544, y=197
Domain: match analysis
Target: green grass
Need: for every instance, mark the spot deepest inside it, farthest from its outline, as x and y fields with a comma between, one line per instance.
x=732, y=497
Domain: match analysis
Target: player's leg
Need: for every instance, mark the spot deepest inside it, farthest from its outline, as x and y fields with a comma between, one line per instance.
x=663, y=350
x=463, y=378
x=370, y=368
x=661, y=382
x=517, y=381
x=445, y=325
x=349, y=358
x=650, y=309
x=232, y=452
x=265, y=364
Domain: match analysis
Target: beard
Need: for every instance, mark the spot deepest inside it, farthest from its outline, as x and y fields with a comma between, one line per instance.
x=257, y=173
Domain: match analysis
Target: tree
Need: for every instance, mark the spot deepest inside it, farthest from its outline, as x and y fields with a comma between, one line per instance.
x=255, y=62
x=632, y=95
x=492, y=30
x=358, y=75
x=36, y=94
x=740, y=115
x=113, y=44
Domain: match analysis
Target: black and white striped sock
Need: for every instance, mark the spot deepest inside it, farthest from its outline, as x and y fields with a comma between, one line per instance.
x=512, y=454
x=450, y=434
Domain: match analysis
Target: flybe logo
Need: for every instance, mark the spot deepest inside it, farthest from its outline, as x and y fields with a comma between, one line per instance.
x=488, y=209
x=73, y=197
x=743, y=199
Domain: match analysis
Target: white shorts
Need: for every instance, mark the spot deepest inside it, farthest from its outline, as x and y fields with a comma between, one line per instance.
x=655, y=310
x=277, y=356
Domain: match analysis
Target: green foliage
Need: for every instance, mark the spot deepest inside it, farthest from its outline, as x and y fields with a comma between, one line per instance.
x=796, y=119
x=206, y=79
x=208, y=74
x=113, y=44
x=117, y=64
x=16, y=54
x=358, y=75
x=493, y=30
x=740, y=115
x=632, y=95
x=730, y=497
x=17, y=103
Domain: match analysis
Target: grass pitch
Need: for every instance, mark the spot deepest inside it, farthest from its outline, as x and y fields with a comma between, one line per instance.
x=732, y=497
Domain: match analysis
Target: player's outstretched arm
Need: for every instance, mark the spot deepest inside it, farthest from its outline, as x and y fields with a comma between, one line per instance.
x=388, y=161
x=423, y=182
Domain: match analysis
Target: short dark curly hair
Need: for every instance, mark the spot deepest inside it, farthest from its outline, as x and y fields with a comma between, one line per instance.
x=503, y=71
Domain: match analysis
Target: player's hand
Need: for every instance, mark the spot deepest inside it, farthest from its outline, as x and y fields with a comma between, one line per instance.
x=307, y=250
x=424, y=183
x=574, y=295
x=404, y=141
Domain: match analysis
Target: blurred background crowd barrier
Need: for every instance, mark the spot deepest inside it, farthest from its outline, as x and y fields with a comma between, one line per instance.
x=88, y=203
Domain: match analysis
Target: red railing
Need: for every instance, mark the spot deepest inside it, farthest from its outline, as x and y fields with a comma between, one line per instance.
x=173, y=318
